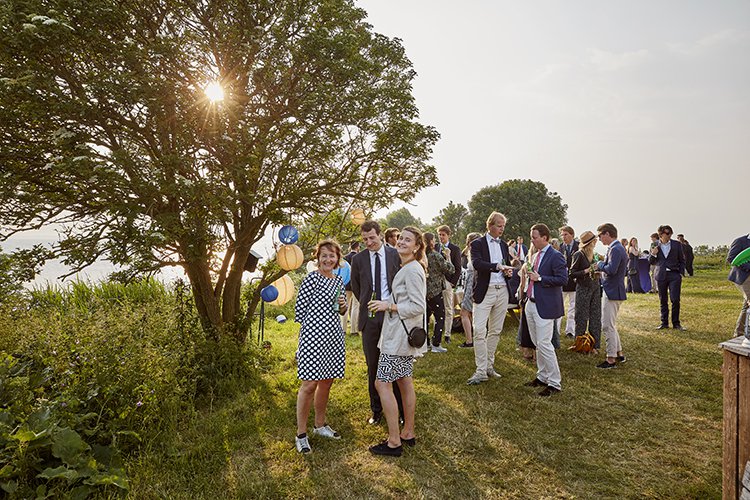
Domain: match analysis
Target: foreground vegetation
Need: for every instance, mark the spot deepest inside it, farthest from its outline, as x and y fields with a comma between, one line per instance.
x=114, y=391
x=651, y=428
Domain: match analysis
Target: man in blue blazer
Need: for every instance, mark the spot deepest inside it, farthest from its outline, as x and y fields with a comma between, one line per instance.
x=669, y=258
x=613, y=269
x=739, y=276
x=544, y=306
x=491, y=260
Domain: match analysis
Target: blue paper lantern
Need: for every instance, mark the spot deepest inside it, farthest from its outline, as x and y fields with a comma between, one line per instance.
x=345, y=271
x=288, y=235
x=269, y=293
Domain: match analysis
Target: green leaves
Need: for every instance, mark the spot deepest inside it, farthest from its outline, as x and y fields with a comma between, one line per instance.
x=68, y=446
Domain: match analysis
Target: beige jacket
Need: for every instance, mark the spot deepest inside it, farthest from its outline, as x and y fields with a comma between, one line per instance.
x=409, y=292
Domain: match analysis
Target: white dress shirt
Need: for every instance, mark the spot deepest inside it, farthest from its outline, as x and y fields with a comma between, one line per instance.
x=496, y=257
x=385, y=292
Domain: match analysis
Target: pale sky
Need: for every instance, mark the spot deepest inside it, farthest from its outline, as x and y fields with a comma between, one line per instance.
x=636, y=113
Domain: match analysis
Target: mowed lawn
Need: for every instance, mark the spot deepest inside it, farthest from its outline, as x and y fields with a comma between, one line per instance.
x=649, y=429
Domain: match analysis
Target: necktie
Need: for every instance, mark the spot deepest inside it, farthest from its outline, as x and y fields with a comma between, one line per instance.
x=536, y=268
x=376, y=285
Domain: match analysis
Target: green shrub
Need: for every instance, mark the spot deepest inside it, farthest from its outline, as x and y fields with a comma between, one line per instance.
x=105, y=369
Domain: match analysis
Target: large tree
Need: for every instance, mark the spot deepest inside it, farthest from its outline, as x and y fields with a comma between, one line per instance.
x=453, y=215
x=401, y=218
x=524, y=203
x=105, y=129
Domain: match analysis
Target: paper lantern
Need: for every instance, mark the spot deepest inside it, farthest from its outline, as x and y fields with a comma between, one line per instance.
x=289, y=257
x=269, y=293
x=358, y=216
x=312, y=265
x=344, y=270
x=288, y=235
x=285, y=286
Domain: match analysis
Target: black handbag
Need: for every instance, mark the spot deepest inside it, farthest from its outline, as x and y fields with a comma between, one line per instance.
x=417, y=335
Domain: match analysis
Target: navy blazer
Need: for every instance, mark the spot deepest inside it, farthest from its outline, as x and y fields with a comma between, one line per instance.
x=738, y=274
x=456, y=261
x=548, y=297
x=614, y=268
x=675, y=261
x=480, y=259
x=362, y=279
x=570, y=286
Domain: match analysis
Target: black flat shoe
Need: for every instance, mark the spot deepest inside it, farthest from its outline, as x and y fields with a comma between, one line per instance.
x=409, y=442
x=384, y=449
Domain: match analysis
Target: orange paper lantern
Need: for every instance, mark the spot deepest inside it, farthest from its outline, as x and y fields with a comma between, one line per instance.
x=289, y=257
x=285, y=286
x=358, y=216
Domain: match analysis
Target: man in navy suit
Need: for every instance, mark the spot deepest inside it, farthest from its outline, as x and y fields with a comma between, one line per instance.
x=373, y=270
x=544, y=306
x=568, y=247
x=739, y=276
x=491, y=260
x=613, y=269
x=669, y=258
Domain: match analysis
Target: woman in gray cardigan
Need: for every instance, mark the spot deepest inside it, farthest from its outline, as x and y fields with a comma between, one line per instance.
x=396, y=363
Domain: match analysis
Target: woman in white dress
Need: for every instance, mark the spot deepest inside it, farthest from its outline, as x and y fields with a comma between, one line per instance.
x=406, y=309
x=321, y=350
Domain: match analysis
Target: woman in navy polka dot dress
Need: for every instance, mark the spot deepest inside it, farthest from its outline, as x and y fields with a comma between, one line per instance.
x=321, y=350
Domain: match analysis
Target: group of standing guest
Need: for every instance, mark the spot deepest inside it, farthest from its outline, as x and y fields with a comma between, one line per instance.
x=397, y=284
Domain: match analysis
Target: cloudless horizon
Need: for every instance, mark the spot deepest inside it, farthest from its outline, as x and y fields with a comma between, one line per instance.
x=635, y=113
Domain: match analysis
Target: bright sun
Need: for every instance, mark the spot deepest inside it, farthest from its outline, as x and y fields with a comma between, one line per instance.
x=214, y=92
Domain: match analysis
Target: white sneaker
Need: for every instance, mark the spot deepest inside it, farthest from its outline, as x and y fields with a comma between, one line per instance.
x=326, y=432
x=302, y=444
x=437, y=348
x=493, y=374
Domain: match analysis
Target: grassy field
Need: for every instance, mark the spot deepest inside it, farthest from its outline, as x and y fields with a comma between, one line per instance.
x=648, y=429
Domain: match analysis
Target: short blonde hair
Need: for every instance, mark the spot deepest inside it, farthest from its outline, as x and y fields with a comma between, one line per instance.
x=493, y=216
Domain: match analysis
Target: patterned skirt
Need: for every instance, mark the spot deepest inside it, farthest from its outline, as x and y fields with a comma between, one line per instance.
x=392, y=367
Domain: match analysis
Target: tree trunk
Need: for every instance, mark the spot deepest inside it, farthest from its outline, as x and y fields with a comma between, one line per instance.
x=230, y=304
x=203, y=293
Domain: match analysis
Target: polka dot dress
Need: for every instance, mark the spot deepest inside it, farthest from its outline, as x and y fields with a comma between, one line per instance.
x=321, y=349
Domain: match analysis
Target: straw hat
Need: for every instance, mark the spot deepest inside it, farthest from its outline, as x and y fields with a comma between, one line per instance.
x=587, y=238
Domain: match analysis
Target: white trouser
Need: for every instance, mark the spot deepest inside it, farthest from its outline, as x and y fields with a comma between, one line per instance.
x=610, y=308
x=489, y=316
x=448, y=302
x=540, y=331
x=352, y=313
x=570, y=321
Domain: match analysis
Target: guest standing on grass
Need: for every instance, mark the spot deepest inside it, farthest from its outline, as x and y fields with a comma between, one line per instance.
x=568, y=247
x=634, y=254
x=439, y=267
x=613, y=270
x=740, y=276
x=404, y=310
x=467, y=303
x=321, y=350
x=373, y=270
x=588, y=291
x=545, y=304
x=669, y=259
x=352, y=304
x=491, y=260
x=451, y=280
